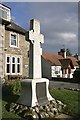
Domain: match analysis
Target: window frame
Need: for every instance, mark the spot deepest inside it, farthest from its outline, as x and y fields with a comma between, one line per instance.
x=17, y=40
x=18, y=63
x=57, y=70
x=15, y=63
x=8, y=63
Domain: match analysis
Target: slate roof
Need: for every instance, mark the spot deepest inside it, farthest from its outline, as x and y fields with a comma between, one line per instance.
x=16, y=28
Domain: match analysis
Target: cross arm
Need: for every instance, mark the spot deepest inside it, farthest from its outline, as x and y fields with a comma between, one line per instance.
x=29, y=36
x=42, y=38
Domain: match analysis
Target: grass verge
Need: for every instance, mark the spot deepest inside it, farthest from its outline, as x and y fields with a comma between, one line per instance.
x=68, y=97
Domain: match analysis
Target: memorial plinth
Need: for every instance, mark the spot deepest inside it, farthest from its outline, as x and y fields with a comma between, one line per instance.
x=35, y=90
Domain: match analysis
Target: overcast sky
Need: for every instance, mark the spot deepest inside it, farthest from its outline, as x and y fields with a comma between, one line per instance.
x=59, y=22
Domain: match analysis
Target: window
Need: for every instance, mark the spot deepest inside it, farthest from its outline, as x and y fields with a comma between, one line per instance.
x=8, y=65
x=57, y=70
x=18, y=65
x=14, y=40
x=13, y=65
x=4, y=13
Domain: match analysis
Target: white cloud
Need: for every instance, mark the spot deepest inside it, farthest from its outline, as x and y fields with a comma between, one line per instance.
x=67, y=36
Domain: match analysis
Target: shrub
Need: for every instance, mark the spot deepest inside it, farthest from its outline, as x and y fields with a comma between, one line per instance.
x=11, y=87
x=14, y=77
x=76, y=74
x=6, y=89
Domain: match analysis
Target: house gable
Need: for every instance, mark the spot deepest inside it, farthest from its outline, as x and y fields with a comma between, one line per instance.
x=65, y=63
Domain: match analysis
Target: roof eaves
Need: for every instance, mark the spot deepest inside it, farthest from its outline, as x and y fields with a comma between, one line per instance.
x=16, y=28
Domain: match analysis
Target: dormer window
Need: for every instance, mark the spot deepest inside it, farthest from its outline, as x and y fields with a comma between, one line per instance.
x=13, y=40
x=5, y=12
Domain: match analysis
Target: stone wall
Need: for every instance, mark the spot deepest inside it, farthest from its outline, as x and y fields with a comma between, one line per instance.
x=22, y=50
x=2, y=37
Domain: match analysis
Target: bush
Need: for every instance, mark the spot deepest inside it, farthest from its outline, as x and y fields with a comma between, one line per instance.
x=6, y=89
x=76, y=74
x=11, y=87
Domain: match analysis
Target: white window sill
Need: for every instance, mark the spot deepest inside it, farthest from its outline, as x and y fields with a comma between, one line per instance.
x=13, y=46
x=13, y=74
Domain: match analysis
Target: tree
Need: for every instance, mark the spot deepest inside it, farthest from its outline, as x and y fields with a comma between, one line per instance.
x=68, y=52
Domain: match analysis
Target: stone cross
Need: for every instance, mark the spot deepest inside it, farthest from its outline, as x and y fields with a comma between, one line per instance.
x=36, y=39
x=35, y=89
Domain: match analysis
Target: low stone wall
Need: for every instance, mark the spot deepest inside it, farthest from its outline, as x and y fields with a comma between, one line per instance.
x=51, y=110
x=71, y=80
x=73, y=89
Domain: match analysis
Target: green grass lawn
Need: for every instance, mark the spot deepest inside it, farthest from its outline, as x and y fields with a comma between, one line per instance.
x=68, y=97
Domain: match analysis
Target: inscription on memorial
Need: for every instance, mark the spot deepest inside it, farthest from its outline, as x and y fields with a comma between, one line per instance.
x=41, y=93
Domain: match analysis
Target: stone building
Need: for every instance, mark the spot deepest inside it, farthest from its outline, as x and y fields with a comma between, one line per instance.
x=14, y=47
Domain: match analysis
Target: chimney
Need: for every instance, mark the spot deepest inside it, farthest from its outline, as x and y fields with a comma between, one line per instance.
x=79, y=57
x=64, y=53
